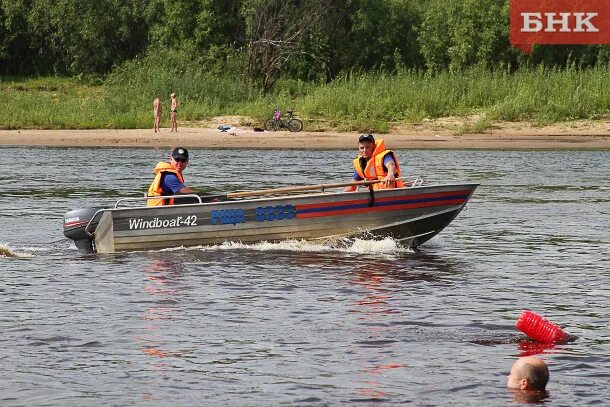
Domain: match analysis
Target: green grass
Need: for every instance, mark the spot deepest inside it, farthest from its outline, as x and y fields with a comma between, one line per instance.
x=365, y=102
x=481, y=124
x=51, y=103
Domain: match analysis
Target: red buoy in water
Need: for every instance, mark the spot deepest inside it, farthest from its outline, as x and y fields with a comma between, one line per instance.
x=538, y=328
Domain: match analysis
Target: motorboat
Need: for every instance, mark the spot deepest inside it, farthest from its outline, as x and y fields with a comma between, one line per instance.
x=411, y=215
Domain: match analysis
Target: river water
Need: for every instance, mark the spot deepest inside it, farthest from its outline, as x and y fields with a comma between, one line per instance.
x=297, y=323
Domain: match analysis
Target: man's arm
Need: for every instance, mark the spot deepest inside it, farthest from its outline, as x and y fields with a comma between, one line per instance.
x=173, y=184
x=352, y=188
x=391, y=177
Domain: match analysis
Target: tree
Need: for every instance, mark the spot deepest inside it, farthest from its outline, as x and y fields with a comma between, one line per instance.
x=276, y=33
x=456, y=34
x=16, y=54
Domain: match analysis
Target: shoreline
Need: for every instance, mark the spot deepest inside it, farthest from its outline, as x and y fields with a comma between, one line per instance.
x=436, y=134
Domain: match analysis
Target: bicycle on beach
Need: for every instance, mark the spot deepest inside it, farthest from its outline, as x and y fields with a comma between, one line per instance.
x=289, y=122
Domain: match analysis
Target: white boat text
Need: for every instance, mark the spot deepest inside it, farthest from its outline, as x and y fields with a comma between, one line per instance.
x=156, y=223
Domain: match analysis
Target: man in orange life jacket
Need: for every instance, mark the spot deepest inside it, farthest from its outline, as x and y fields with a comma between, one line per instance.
x=374, y=162
x=168, y=178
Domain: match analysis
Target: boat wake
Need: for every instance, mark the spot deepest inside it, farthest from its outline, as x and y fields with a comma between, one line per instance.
x=386, y=246
x=6, y=251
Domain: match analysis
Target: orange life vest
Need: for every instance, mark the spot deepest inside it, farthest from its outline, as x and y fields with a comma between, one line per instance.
x=155, y=188
x=374, y=169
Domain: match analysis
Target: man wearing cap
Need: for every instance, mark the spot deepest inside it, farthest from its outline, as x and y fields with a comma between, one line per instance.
x=168, y=178
x=374, y=162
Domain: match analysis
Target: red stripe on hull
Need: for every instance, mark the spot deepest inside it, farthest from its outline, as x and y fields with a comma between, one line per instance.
x=381, y=208
x=386, y=199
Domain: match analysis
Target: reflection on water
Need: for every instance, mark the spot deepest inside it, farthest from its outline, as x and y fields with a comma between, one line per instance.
x=164, y=286
x=532, y=348
x=302, y=323
x=376, y=299
x=529, y=397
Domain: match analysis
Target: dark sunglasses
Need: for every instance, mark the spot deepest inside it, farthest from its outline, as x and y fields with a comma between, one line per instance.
x=180, y=160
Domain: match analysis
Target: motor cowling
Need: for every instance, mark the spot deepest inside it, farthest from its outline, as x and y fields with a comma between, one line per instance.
x=75, y=228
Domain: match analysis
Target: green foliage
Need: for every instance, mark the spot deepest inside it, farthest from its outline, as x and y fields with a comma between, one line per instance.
x=359, y=64
x=366, y=102
x=51, y=103
x=361, y=35
x=544, y=95
x=69, y=36
x=92, y=37
x=380, y=35
x=195, y=26
x=479, y=125
x=138, y=82
x=462, y=33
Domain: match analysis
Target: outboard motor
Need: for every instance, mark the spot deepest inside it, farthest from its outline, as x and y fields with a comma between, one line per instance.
x=75, y=223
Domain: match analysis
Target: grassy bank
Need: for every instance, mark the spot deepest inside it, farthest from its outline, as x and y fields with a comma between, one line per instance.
x=357, y=102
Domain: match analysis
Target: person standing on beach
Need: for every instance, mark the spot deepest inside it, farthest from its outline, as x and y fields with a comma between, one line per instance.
x=174, y=112
x=157, y=110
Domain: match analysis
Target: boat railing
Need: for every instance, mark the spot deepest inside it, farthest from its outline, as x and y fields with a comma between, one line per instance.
x=146, y=197
x=93, y=219
x=414, y=181
x=410, y=182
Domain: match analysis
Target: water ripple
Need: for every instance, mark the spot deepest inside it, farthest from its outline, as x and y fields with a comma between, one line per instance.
x=300, y=323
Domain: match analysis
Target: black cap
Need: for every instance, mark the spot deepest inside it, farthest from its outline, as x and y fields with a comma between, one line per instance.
x=366, y=137
x=180, y=152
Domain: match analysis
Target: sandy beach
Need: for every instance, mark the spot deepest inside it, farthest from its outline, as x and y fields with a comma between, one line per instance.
x=438, y=134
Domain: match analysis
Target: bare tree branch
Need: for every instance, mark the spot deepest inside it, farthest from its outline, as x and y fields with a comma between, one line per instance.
x=278, y=30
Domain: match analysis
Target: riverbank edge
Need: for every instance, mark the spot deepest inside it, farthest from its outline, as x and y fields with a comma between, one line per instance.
x=447, y=133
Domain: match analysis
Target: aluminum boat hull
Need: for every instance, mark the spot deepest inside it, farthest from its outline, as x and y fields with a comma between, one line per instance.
x=411, y=215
